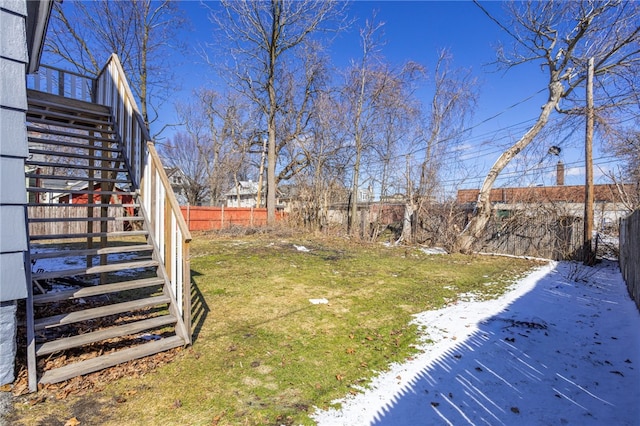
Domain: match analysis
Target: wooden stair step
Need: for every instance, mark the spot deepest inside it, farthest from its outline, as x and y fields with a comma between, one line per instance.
x=92, y=252
x=72, y=166
x=111, y=359
x=102, y=311
x=87, y=235
x=79, y=191
x=96, y=179
x=100, y=335
x=37, y=97
x=84, y=146
x=65, y=154
x=68, y=115
x=96, y=290
x=95, y=269
x=126, y=233
x=61, y=123
x=86, y=108
x=59, y=205
x=73, y=135
x=68, y=120
x=86, y=219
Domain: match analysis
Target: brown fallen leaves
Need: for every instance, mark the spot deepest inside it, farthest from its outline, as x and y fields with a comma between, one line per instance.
x=93, y=382
x=73, y=421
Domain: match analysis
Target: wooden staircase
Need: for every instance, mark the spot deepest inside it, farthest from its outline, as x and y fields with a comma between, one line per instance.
x=101, y=292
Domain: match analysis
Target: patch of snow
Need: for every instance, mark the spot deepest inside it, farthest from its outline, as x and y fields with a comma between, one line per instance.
x=318, y=301
x=301, y=248
x=550, y=351
x=433, y=250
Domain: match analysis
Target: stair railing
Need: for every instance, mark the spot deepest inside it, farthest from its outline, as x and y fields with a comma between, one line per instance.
x=112, y=89
x=168, y=227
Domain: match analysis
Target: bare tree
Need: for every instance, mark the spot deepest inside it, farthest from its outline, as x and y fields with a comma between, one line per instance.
x=220, y=131
x=561, y=37
x=360, y=94
x=301, y=91
x=324, y=149
x=262, y=34
x=143, y=33
x=397, y=113
x=440, y=135
x=626, y=146
x=454, y=96
x=189, y=156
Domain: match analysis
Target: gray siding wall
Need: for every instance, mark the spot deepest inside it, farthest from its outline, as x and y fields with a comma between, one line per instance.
x=13, y=151
x=13, y=148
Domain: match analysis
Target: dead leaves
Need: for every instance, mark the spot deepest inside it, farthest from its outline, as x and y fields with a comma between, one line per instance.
x=73, y=421
x=216, y=419
x=37, y=400
x=93, y=382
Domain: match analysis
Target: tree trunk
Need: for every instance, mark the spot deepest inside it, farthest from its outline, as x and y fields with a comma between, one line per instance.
x=261, y=173
x=478, y=222
x=353, y=213
x=271, y=118
x=405, y=236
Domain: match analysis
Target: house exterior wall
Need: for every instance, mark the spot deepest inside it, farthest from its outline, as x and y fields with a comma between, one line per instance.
x=568, y=193
x=248, y=200
x=13, y=147
x=13, y=151
x=605, y=215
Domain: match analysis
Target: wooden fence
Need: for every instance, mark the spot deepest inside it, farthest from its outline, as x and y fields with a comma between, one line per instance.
x=56, y=219
x=630, y=253
x=545, y=236
x=200, y=218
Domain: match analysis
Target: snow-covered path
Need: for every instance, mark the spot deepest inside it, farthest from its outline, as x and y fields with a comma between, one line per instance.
x=552, y=351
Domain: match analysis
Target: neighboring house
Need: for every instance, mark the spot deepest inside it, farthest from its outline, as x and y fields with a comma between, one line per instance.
x=562, y=200
x=120, y=196
x=23, y=26
x=365, y=196
x=244, y=195
x=177, y=180
x=393, y=199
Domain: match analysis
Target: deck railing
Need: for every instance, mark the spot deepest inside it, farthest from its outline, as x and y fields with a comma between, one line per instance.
x=168, y=228
x=61, y=82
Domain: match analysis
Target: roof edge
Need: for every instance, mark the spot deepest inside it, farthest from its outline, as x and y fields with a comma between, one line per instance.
x=38, y=14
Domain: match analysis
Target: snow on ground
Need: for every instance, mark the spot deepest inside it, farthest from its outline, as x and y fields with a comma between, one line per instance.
x=552, y=351
x=79, y=262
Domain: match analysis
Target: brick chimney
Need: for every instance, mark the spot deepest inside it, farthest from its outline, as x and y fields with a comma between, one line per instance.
x=560, y=173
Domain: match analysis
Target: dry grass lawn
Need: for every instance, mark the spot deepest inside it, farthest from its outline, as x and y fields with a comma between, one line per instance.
x=262, y=353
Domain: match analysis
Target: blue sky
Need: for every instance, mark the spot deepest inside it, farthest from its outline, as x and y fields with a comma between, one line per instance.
x=416, y=31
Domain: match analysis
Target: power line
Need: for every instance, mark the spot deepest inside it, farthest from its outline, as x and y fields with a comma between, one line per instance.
x=545, y=169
